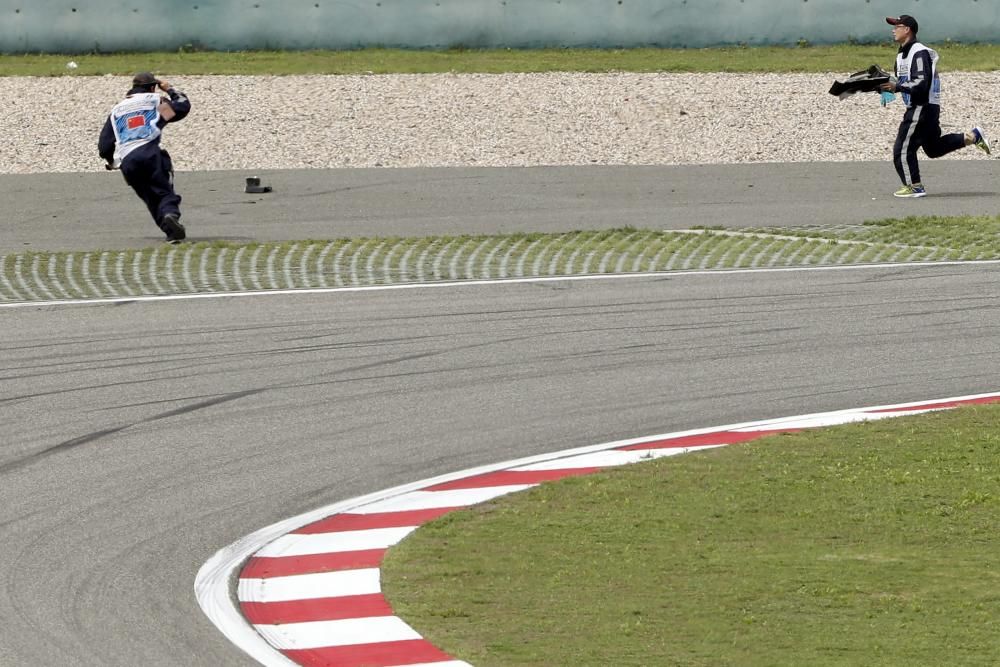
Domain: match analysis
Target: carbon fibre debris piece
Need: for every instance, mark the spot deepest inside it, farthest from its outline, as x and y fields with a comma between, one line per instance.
x=864, y=81
x=254, y=187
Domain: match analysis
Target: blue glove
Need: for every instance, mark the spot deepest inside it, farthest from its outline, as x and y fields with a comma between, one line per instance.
x=887, y=97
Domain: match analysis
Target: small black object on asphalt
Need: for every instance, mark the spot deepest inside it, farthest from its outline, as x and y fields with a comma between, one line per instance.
x=254, y=186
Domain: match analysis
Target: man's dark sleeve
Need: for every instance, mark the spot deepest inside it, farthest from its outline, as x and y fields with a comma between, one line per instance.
x=919, y=83
x=180, y=103
x=106, y=144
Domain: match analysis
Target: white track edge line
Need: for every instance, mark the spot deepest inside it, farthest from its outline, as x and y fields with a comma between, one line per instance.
x=496, y=281
x=212, y=582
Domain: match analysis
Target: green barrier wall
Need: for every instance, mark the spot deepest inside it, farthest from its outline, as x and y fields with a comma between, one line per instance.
x=77, y=26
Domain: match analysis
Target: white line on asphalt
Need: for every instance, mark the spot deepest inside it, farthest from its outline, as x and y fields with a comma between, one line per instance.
x=497, y=281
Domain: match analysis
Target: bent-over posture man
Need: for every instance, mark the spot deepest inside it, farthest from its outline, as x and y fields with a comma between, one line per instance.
x=916, y=77
x=130, y=141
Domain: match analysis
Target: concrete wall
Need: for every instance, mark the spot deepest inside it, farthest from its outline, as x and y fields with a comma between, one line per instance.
x=75, y=26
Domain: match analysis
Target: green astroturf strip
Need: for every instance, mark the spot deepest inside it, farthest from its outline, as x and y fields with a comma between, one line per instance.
x=360, y=262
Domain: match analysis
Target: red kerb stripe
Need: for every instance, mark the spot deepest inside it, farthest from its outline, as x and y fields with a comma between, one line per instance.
x=286, y=566
x=509, y=477
x=321, y=609
x=410, y=652
x=339, y=522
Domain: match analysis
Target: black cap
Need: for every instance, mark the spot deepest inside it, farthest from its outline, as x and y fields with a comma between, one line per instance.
x=144, y=80
x=904, y=19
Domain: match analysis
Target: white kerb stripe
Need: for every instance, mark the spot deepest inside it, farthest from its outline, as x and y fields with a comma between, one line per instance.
x=310, y=586
x=426, y=500
x=610, y=458
x=829, y=420
x=447, y=663
x=335, y=542
x=903, y=413
x=350, y=632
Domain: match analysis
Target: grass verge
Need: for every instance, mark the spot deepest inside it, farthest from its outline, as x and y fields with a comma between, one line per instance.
x=817, y=59
x=871, y=543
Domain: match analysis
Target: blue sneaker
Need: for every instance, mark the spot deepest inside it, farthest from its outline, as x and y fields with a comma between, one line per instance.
x=981, y=142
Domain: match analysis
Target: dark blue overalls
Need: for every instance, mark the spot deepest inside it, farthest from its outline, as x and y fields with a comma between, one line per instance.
x=148, y=168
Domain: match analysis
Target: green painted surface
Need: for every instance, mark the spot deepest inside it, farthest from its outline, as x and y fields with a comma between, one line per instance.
x=78, y=26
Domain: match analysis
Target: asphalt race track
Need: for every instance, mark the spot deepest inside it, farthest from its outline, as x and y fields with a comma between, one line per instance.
x=98, y=211
x=136, y=439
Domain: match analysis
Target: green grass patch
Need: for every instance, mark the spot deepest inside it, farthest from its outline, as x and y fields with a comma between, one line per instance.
x=871, y=543
x=839, y=58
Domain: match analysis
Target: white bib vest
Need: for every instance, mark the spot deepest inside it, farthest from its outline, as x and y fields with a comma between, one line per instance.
x=905, y=65
x=135, y=122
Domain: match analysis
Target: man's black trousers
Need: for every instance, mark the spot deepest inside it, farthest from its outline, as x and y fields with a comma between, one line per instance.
x=921, y=128
x=150, y=172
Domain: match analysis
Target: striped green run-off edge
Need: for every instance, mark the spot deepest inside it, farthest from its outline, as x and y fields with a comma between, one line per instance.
x=198, y=268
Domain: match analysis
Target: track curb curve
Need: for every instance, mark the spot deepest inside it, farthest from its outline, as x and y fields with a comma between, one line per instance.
x=308, y=588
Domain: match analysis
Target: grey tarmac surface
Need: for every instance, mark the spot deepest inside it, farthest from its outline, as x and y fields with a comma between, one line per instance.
x=98, y=211
x=139, y=438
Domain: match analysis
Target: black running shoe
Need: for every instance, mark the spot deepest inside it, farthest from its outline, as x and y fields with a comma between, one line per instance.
x=173, y=228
